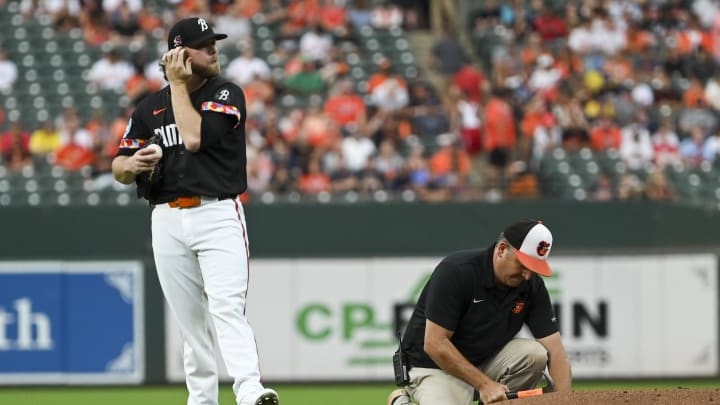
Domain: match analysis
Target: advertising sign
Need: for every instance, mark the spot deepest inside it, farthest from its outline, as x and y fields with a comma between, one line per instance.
x=71, y=322
x=638, y=316
x=620, y=316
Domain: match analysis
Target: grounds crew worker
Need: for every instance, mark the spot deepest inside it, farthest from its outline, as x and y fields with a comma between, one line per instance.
x=461, y=336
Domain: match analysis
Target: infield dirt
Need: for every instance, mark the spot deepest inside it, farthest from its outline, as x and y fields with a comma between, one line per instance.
x=674, y=396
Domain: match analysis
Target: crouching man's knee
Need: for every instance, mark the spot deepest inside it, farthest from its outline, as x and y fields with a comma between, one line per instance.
x=537, y=356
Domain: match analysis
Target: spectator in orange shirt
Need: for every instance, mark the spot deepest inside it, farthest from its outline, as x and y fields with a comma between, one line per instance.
x=638, y=39
x=568, y=63
x=500, y=137
x=76, y=153
x=617, y=68
x=300, y=13
x=104, y=140
x=318, y=130
x=139, y=86
x=694, y=96
x=605, y=135
x=95, y=24
x=117, y=130
x=690, y=38
x=333, y=17
x=536, y=116
x=73, y=156
x=532, y=50
x=388, y=90
x=346, y=107
x=450, y=165
x=383, y=73
x=148, y=21
x=314, y=181
x=192, y=7
x=249, y=8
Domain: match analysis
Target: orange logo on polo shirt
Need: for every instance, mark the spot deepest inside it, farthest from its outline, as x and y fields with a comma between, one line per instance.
x=542, y=248
x=519, y=306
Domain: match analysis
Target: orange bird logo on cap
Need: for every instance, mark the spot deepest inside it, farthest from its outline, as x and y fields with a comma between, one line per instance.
x=542, y=248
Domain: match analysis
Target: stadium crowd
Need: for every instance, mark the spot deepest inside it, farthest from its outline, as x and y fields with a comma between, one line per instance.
x=637, y=77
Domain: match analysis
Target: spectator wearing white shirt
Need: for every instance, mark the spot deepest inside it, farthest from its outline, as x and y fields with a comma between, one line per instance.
x=390, y=95
x=642, y=94
x=110, y=72
x=8, y=72
x=620, y=9
x=712, y=91
x=53, y=8
x=111, y=5
x=73, y=132
x=545, y=75
x=246, y=67
x=386, y=15
x=357, y=150
x=316, y=43
x=608, y=35
x=711, y=147
x=580, y=39
x=636, y=148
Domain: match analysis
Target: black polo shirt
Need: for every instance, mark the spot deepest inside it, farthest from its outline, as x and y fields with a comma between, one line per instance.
x=461, y=296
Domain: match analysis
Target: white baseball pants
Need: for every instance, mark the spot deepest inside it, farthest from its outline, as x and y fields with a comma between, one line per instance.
x=201, y=256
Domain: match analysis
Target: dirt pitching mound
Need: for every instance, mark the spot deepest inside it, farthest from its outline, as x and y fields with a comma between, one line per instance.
x=674, y=396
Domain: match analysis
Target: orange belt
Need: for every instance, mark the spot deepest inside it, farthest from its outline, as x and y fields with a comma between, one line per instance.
x=186, y=202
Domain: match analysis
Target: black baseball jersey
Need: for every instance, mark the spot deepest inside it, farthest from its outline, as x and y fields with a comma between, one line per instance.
x=218, y=169
x=461, y=296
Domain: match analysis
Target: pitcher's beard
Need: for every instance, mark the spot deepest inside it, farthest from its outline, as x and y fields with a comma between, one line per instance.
x=206, y=71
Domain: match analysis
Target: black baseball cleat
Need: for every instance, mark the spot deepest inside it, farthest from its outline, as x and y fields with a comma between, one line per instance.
x=265, y=397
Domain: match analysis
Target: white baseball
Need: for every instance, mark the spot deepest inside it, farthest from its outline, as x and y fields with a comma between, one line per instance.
x=157, y=150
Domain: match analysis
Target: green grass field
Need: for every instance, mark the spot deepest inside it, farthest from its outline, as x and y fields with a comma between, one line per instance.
x=356, y=394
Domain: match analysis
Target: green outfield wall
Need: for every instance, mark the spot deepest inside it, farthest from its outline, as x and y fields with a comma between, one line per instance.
x=391, y=229
x=354, y=230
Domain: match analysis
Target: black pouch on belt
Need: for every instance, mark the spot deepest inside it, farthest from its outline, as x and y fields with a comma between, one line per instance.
x=401, y=367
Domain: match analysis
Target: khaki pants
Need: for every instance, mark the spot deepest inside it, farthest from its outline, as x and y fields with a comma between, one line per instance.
x=519, y=365
x=443, y=15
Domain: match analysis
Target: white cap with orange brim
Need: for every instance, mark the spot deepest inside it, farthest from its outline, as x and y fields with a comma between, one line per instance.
x=532, y=241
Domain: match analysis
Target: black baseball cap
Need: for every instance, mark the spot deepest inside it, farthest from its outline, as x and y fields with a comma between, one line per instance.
x=191, y=32
x=532, y=241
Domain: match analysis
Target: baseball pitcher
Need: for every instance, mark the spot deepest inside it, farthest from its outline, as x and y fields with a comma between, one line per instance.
x=184, y=147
